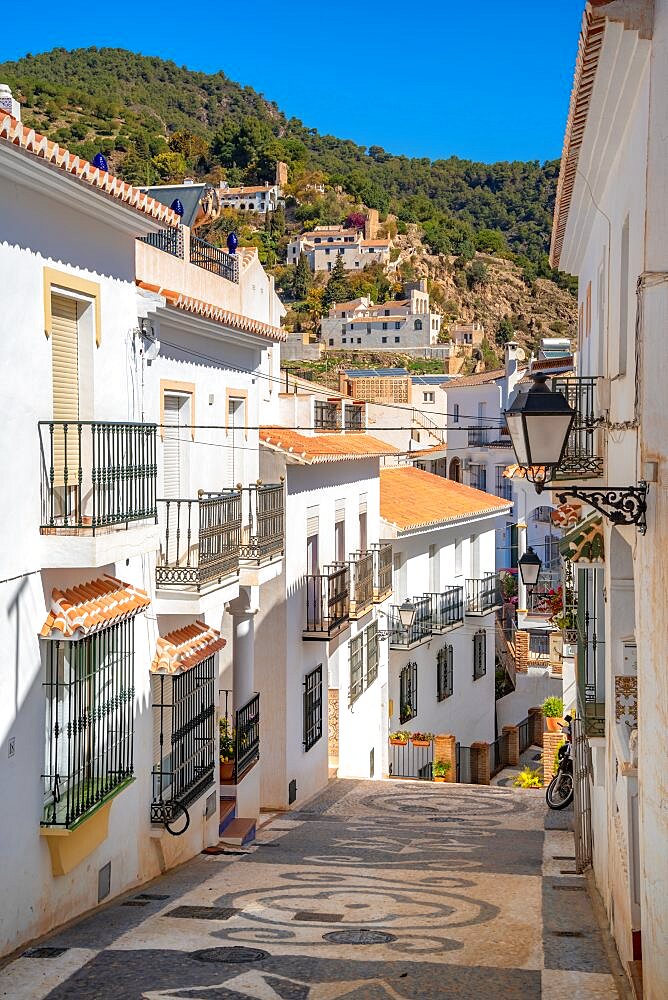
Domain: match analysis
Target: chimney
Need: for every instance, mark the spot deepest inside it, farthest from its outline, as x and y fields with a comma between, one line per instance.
x=7, y=102
x=512, y=357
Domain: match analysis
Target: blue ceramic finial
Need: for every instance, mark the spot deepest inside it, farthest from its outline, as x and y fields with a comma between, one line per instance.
x=177, y=207
x=232, y=242
x=100, y=162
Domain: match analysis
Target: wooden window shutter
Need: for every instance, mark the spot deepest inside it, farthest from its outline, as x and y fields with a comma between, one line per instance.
x=65, y=380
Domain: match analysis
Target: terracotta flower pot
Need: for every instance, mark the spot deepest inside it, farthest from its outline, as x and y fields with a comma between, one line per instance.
x=227, y=771
x=553, y=724
x=439, y=777
x=420, y=743
x=398, y=743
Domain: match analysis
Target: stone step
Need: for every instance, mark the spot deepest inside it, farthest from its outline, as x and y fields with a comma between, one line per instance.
x=240, y=832
x=226, y=814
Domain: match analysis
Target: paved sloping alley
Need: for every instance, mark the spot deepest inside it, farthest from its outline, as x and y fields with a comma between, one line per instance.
x=373, y=890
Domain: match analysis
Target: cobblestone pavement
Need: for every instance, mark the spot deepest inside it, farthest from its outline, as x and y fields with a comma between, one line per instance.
x=373, y=890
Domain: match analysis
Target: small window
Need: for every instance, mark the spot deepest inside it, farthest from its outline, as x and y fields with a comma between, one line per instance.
x=359, y=340
x=312, y=708
x=397, y=325
x=331, y=342
x=444, y=672
x=384, y=326
x=384, y=340
x=408, y=693
x=386, y=313
x=418, y=324
x=429, y=397
x=344, y=340
x=397, y=340
x=479, y=654
x=455, y=413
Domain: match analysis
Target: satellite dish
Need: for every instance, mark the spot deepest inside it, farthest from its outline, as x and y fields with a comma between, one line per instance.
x=521, y=354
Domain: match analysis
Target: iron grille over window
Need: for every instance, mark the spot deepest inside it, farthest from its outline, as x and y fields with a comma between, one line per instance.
x=408, y=693
x=325, y=416
x=444, y=672
x=372, y=652
x=504, y=487
x=356, y=667
x=183, y=737
x=312, y=707
x=89, y=721
x=479, y=477
x=479, y=654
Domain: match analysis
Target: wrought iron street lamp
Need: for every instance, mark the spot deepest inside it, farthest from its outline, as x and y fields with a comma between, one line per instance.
x=530, y=566
x=407, y=612
x=539, y=423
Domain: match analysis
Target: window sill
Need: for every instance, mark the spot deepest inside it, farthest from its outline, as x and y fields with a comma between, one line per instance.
x=69, y=847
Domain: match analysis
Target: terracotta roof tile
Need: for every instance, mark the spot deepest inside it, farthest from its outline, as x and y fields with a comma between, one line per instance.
x=375, y=243
x=185, y=647
x=480, y=379
x=79, y=611
x=12, y=131
x=324, y=447
x=412, y=498
x=216, y=313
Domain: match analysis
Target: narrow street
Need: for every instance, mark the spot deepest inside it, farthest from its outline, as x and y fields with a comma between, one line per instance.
x=374, y=890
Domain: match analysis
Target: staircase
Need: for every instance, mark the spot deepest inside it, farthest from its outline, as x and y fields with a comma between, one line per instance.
x=429, y=425
x=233, y=830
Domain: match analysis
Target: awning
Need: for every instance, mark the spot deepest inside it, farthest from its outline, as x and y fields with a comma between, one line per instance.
x=83, y=610
x=185, y=647
x=585, y=542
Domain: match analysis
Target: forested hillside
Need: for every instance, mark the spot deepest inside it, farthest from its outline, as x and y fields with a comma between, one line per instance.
x=157, y=121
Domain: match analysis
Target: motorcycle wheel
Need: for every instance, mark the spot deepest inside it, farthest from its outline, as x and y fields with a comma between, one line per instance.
x=562, y=796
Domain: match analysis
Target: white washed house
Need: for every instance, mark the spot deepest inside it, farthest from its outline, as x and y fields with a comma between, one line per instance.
x=610, y=229
x=107, y=380
x=441, y=670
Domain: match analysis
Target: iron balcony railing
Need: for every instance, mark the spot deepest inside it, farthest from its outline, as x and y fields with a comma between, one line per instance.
x=200, y=540
x=361, y=583
x=168, y=240
x=447, y=609
x=478, y=436
x=354, y=417
x=498, y=754
x=524, y=733
x=211, y=258
x=482, y=595
x=401, y=637
x=96, y=474
x=263, y=516
x=327, y=602
x=382, y=571
x=581, y=457
x=243, y=726
x=326, y=416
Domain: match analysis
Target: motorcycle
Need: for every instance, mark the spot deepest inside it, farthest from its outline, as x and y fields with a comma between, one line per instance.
x=559, y=793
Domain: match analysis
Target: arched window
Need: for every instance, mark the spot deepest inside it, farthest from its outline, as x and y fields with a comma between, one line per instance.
x=456, y=470
x=418, y=324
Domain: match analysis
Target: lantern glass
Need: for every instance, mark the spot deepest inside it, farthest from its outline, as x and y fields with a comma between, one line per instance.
x=407, y=613
x=530, y=566
x=539, y=422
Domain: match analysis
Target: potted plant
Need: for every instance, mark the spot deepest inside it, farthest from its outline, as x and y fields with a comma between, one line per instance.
x=226, y=749
x=421, y=739
x=441, y=769
x=399, y=738
x=529, y=777
x=553, y=712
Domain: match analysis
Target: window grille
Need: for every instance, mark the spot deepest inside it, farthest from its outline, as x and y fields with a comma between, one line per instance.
x=479, y=654
x=89, y=692
x=372, y=652
x=312, y=707
x=408, y=693
x=184, y=756
x=444, y=672
x=504, y=487
x=356, y=667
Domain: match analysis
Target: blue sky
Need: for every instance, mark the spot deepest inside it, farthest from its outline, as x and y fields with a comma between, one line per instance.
x=482, y=80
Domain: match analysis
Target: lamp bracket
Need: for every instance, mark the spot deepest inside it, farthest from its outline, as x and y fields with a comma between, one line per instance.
x=621, y=505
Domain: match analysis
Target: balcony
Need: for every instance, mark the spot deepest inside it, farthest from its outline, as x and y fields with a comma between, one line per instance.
x=263, y=531
x=582, y=456
x=382, y=571
x=361, y=583
x=212, y=258
x=327, y=602
x=447, y=609
x=200, y=542
x=420, y=630
x=242, y=734
x=478, y=436
x=166, y=240
x=482, y=595
x=98, y=480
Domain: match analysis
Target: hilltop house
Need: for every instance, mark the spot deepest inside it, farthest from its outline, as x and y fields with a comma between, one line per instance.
x=324, y=244
x=395, y=325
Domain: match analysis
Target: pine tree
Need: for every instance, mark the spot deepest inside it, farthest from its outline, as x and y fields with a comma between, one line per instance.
x=303, y=278
x=337, y=286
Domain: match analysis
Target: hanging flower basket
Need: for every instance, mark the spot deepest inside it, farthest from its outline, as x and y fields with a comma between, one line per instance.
x=399, y=738
x=398, y=743
x=421, y=739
